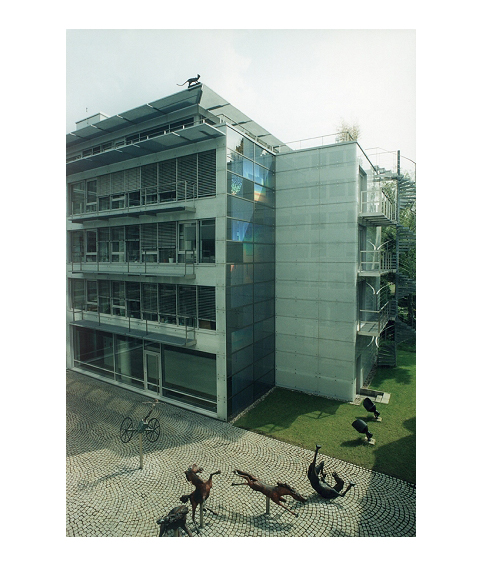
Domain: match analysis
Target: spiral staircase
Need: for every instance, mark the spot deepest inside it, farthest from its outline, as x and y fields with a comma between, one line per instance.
x=397, y=331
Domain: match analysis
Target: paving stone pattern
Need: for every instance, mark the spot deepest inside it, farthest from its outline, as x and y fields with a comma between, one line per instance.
x=108, y=495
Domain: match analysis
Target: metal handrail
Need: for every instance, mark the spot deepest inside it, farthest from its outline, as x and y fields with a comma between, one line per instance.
x=379, y=317
x=191, y=190
x=187, y=328
x=322, y=138
x=377, y=201
x=376, y=260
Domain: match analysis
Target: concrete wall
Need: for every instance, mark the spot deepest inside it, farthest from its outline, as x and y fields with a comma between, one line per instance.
x=316, y=270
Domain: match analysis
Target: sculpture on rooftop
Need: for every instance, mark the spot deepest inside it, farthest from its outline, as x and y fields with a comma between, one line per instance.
x=191, y=81
x=274, y=493
x=316, y=476
x=202, y=490
x=176, y=519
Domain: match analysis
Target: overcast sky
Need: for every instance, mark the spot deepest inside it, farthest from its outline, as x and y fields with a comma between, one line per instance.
x=297, y=84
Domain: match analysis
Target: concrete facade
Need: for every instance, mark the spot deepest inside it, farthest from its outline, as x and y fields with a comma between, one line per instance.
x=208, y=262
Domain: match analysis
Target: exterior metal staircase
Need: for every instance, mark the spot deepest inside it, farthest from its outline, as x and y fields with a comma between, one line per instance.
x=397, y=331
x=406, y=286
x=387, y=354
x=406, y=239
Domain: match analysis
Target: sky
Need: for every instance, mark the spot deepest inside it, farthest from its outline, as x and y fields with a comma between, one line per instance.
x=297, y=84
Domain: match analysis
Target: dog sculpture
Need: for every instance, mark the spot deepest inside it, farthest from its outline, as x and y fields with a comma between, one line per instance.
x=176, y=519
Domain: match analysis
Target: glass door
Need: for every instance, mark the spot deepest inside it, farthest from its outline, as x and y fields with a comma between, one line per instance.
x=152, y=371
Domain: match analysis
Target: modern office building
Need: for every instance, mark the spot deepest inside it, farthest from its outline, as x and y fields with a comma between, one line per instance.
x=208, y=261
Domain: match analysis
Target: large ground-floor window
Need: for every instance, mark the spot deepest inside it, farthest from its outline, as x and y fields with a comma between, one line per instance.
x=190, y=376
x=172, y=372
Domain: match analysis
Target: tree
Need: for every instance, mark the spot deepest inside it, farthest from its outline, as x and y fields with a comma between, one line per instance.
x=347, y=132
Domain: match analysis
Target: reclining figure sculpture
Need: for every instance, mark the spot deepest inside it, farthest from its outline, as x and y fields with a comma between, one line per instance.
x=176, y=519
x=202, y=490
x=316, y=476
x=274, y=493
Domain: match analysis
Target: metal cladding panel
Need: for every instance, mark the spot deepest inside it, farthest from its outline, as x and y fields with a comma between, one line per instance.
x=140, y=114
x=87, y=132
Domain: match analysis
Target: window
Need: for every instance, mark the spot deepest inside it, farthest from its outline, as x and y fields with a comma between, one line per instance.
x=149, y=301
x=117, y=237
x=104, y=296
x=207, y=240
x=167, y=303
x=77, y=198
x=187, y=242
x=133, y=299
x=187, y=305
x=77, y=246
x=133, y=243
x=78, y=294
x=167, y=241
x=190, y=377
x=118, y=299
x=149, y=242
x=206, y=307
x=91, y=295
x=91, y=246
x=91, y=205
x=103, y=237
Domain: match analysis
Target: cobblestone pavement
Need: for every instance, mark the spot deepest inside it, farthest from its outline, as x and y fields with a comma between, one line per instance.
x=108, y=495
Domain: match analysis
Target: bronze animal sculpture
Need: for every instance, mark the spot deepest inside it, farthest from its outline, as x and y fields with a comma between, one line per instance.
x=202, y=490
x=316, y=476
x=191, y=81
x=274, y=493
x=176, y=519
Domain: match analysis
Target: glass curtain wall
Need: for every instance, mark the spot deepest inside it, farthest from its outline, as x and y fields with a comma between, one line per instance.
x=250, y=265
x=187, y=376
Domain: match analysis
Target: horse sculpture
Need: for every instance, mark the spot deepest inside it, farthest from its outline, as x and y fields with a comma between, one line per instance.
x=202, y=490
x=316, y=476
x=176, y=519
x=274, y=493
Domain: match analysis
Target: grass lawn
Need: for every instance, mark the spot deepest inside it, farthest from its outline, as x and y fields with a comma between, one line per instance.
x=305, y=420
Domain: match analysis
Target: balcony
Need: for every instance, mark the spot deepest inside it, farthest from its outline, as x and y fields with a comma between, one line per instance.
x=183, y=336
x=377, y=208
x=137, y=268
x=376, y=263
x=165, y=198
x=126, y=151
x=372, y=323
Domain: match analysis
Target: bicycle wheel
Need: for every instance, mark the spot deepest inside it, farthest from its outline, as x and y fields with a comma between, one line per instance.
x=153, y=430
x=126, y=430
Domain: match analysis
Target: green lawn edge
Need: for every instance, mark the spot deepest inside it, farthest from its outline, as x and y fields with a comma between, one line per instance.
x=304, y=420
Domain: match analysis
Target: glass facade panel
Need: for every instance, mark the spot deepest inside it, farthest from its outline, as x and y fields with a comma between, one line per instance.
x=240, y=231
x=250, y=238
x=240, y=187
x=240, y=209
x=190, y=373
x=238, y=274
x=240, y=338
x=129, y=361
x=94, y=351
x=234, y=140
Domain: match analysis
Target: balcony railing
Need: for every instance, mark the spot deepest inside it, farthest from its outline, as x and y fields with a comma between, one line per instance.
x=90, y=316
x=376, y=206
x=184, y=269
x=140, y=200
x=372, y=323
x=376, y=262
